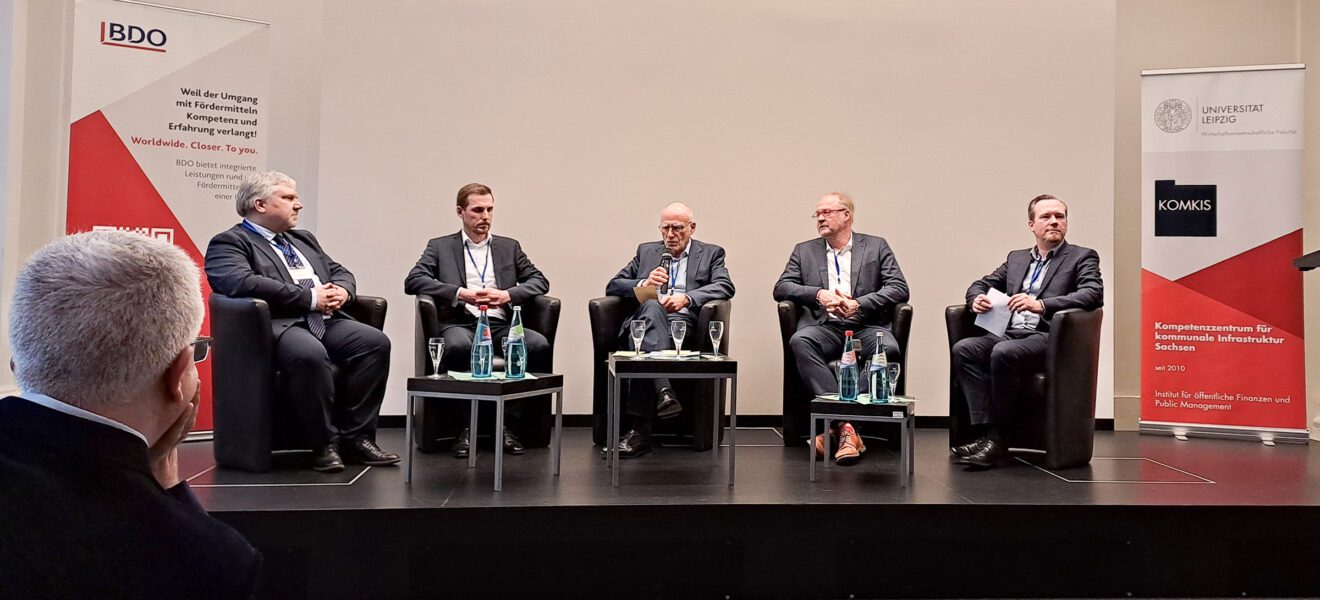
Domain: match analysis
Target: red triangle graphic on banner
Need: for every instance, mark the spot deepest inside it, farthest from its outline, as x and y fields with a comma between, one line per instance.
x=107, y=188
x=1260, y=282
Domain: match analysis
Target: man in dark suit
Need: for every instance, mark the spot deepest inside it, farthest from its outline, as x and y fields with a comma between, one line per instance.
x=1051, y=276
x=696, y=276
x=265, y=257
x=472, y=268
x=848, y=282
x=103, y=330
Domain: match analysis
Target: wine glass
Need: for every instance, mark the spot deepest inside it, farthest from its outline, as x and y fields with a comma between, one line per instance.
x=678, y=330
x=436, y=346
x=638, y=330
x=894, y=370
x=716, y=334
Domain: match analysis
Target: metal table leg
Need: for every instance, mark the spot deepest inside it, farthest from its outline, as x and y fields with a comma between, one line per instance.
x=715, y=428
x=811, y=448
x=614, y=428
x=408, y=439
x=498, y=437
x=559, y=427
x=733, y=425
x=472, y=434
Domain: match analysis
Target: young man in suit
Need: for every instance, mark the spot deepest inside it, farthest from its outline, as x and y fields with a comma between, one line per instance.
x=103, y=327
x=847, y=281
x=465, y=270
x=1050, y=276
x=696, y=276
x=265, y=257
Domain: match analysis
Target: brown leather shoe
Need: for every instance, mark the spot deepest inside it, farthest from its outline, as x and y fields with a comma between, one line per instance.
x=850, y=446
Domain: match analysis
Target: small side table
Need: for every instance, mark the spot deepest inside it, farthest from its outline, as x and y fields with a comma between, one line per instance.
x=490, y=390
x=902, y=411
x=703, y=366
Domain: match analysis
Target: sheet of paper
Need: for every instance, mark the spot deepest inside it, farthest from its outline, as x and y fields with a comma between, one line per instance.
x=646, y=292
x=997, y=318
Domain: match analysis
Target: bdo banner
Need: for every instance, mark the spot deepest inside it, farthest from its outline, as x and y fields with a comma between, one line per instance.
x=166, y=116
x=1221, y=304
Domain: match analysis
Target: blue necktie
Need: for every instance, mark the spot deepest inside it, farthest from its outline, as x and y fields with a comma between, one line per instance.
x=315, y=320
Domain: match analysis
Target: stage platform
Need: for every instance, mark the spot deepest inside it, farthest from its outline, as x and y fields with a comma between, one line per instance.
x=1151, y=516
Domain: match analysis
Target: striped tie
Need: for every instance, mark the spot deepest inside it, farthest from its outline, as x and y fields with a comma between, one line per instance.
x=315, y=320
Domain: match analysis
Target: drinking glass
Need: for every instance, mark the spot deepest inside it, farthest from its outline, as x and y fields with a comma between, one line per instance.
x=716, y=334
x=894, y=369
x=678, y=330
x=638, y=331
x=436, y=346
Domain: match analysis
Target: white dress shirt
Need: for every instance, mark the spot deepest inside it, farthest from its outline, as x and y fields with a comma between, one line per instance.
x=480, y=273
x=838, y=264
x=299, y=273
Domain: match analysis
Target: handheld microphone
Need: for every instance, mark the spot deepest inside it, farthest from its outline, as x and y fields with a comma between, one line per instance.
x=666, y=262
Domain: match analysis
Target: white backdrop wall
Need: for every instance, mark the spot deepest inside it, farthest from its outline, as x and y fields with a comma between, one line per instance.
x=941, y=118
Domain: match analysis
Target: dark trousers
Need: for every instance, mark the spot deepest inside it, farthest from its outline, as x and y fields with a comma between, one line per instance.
x=639, y=405
x=328, y=413
x=991, y=370
x=814, y=346
x=458, y=353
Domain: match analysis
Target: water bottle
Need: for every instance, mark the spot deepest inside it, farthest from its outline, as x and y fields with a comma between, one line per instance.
x=515, y=355
x=848, y=376
x=879, y=371
x=483, y=349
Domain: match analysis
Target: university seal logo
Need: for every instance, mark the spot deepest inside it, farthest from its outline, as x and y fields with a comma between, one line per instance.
x=1173, y=115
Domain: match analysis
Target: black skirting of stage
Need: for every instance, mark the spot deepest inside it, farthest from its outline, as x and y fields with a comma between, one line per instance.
x=1151, y=516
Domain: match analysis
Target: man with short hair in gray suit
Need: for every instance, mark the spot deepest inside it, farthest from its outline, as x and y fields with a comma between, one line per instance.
x=696, y=276
x=465, y=270
x=848, y=281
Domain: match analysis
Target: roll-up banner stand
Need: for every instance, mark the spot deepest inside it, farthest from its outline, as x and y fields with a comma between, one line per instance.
x=167, y=115
x=1221, y=305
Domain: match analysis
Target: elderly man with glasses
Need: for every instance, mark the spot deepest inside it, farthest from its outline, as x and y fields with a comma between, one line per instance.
x=847, y=281
x=694, y=275
x=103, y=328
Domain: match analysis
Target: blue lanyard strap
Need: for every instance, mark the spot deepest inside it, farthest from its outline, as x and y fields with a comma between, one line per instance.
x=485, y=262
x=838, y=272
x=1039, y=267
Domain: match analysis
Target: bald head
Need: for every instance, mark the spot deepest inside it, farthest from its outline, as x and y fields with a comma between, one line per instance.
x=676, y=227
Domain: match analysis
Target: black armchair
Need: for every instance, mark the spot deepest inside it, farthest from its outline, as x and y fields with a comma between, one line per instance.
x=797, y=398
x=607, y=316
x=249, y=421
x=437, y=422
x=1057, y=412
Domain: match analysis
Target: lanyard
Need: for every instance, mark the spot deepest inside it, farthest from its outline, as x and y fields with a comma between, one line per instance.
x=485, y=262
x=1035, y=274
x=291, y=259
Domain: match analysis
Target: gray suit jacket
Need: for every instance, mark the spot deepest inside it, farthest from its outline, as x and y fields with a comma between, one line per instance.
x=442, y=270
x=707, y=279
x=877, y=282
x=242, y=264
x=1072, y=280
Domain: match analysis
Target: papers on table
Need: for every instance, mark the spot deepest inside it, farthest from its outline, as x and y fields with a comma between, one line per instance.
x=494, y=376
x=997, y=318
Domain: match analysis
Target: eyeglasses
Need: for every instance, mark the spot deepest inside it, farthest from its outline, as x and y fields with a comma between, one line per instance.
x=672, y=228
x=201, y=348
x=825, y=213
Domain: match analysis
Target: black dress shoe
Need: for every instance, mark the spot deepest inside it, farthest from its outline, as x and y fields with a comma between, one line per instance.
x=363, y=451
x=462, y=444
x=511, y=443
x=668, y=406
x=634, y=444
x=969, y=449
x=992, y=454
x=327, y=460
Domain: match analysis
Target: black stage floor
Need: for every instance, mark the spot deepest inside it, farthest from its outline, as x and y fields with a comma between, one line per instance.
x=1151, y=516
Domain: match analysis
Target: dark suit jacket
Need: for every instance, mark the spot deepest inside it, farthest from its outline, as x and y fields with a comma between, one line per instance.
x=707, y=279
x=1072, y=280
x=877, y=282
x=442, y=270
x=242, y=264
x=82, y=517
